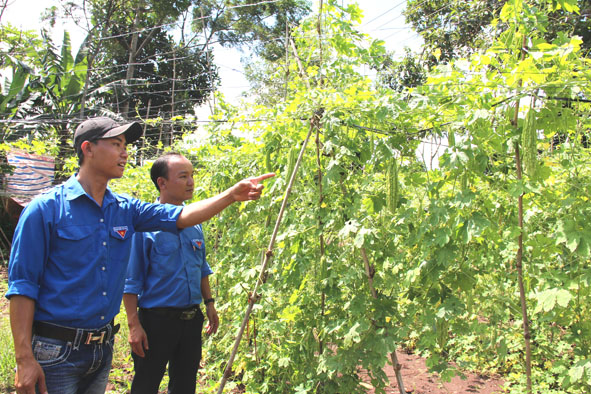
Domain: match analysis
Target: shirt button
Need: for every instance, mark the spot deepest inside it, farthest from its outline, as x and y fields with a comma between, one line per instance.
x=102, y=220
x=103, y=268
x=104, y=244
x=104, y=293
x=102, y=318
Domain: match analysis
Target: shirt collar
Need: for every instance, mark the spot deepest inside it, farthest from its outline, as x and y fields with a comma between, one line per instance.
x=74, y=190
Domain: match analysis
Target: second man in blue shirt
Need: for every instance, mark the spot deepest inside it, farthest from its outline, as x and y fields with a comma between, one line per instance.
x=168, y=278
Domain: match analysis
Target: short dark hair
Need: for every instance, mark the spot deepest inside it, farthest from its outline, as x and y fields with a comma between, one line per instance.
x=79, y=152
x=160, y=167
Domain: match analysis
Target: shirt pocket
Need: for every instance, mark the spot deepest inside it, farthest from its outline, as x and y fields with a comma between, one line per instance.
x=73, y=241
x=121, y=233
x=197, y=247
x=166, y=244
x=75, y=233
x=198, y=244
x=120, y=243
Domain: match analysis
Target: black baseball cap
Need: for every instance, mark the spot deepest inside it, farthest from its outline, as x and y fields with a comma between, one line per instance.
x=104, y=127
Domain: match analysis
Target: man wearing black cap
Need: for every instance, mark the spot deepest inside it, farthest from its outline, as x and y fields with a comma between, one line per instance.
x=69, y=257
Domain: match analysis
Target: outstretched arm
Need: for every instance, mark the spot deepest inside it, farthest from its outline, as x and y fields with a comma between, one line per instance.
x=200, y=211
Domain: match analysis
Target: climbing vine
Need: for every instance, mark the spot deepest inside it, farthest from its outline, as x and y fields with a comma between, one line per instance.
x=439, y=242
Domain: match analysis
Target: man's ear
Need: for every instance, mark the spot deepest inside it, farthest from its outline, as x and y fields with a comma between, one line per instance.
x=161, y=182
x=86, y=147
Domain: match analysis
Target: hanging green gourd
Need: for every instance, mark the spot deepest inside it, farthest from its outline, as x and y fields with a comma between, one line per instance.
x=392, y=186
x=291, y=160
x=268, y=164
x=451, y=137
x=529, y=143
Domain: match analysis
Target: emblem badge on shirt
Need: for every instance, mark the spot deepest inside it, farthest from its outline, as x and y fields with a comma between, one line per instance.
x=198, y=243
x=121, y=231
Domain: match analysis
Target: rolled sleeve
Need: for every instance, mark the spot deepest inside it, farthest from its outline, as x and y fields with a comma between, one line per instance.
x=24, y=288
x=205, y=270
x=29, y=251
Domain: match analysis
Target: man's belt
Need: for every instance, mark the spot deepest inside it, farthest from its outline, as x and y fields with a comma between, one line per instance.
x=69, y=334
x=175, y=313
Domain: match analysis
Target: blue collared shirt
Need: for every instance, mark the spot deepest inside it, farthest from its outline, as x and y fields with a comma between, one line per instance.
x=165, y=269
x=70, y=255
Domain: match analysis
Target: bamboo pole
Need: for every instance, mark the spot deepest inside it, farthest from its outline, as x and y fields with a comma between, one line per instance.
x=320, y=193
x=519, y=266
x=286, y=55
x=519, y=257
x=254, y=296
x=321, y=236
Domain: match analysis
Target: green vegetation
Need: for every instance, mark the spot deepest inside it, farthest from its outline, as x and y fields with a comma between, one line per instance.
x=380, y=248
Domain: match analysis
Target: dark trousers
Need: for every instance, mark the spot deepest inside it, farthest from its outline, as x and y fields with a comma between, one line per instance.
x=171, y=340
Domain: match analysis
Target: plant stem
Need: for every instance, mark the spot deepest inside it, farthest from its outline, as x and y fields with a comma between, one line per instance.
x=519, y=266
x=374, y=294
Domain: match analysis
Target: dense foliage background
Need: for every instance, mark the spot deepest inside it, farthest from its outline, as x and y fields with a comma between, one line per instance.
x=478, y=255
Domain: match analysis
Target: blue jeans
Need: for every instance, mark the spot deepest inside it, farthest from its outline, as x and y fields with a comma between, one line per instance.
x=73, y=367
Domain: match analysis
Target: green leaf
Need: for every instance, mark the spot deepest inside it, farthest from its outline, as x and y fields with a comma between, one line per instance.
x=581, y=368
x=19, y=78
x=569, y=5
x=546, y=301
x=359, y=239
x=566, y=232
x=442, y=236
x=354, y=335
x=284, y=362
x=517, y=189
x=584, y=248
x=563, y=297
x=301, y=389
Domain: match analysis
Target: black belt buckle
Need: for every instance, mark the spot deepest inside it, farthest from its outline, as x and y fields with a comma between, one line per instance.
x=188, y=315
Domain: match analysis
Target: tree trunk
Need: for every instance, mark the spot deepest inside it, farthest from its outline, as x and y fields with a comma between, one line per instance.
x=132, y=55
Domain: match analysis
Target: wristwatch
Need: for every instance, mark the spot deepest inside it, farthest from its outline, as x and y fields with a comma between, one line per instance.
x=208, y=300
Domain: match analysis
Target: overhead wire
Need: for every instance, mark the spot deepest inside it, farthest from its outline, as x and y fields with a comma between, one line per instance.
x=384, y=13
x=163, y=93
x=427, y=16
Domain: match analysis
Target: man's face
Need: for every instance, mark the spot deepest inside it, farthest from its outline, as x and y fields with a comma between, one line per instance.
x=108, y=156
x=179, y=186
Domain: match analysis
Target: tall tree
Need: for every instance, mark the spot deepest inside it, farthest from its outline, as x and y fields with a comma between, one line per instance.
x=456, y=28
x=258, y=25
x=136, y=43
x=154, y=58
